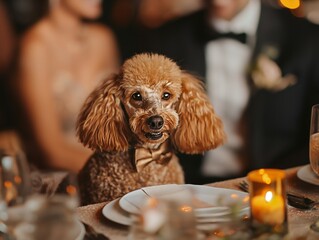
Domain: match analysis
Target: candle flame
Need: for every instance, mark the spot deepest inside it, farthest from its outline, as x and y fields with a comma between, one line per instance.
x=268, y=196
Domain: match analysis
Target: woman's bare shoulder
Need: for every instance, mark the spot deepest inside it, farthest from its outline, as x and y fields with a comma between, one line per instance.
x=34, y=38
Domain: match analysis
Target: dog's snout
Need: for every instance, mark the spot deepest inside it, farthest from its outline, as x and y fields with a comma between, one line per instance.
x=155, y=122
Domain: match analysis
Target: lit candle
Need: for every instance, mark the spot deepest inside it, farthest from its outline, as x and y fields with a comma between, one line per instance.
x=268, y=208
x=268, y=199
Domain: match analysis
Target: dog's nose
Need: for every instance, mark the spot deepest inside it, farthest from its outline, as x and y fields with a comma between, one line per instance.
x=155, y=122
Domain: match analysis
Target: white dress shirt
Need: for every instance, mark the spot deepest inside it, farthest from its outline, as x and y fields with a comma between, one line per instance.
x=227, y=62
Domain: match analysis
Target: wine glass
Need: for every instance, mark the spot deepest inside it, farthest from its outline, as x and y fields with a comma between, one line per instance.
x=314, y=139
x=15, y=189
x=52, y=211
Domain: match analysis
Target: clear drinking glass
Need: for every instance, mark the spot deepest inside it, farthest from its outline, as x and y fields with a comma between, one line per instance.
x=314, y=139
x=15, y=189
x=52, y=213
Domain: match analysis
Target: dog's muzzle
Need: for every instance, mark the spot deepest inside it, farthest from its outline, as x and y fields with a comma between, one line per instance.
x=154, y=135
x=155, y=123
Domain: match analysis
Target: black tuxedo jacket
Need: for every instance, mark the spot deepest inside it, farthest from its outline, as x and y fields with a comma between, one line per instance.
x=277, y=122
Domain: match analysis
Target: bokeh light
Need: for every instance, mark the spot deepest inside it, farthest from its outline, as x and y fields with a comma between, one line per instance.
x=291, y=4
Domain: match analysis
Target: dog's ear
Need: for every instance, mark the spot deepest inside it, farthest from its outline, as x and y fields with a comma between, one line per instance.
x=101, y=123
x=199, y=128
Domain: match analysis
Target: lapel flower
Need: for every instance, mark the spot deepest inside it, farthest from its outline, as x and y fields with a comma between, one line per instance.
x=267, y=74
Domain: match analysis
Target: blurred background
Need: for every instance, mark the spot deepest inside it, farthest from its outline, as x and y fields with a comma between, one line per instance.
x=133, y=23
x=123, y=15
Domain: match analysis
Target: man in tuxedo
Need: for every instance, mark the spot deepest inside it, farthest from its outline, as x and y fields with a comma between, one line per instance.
x=259, y=67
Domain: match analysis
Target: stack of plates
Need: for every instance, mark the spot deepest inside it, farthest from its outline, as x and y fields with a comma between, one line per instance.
x=212, y=205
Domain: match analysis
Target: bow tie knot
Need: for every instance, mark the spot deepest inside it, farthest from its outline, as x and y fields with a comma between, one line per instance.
x=241, y=37
x=144, y=156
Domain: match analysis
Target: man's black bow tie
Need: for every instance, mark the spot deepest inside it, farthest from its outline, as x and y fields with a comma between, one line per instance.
x=241, y=37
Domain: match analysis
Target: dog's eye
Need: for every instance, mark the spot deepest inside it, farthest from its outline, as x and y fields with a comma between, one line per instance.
x=137, y=96
x=166, y=96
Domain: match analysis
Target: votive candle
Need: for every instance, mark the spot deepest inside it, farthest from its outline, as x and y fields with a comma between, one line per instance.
x=268, y=200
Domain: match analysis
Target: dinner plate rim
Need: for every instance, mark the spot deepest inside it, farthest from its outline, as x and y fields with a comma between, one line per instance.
x=124, y=220
x=306, y=174
x=124, y=203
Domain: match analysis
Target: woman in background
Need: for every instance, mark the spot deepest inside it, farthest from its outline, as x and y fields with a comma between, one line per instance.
x=62, y=58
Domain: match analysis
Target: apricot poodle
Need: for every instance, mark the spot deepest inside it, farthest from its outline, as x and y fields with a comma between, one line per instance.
x=136, y=121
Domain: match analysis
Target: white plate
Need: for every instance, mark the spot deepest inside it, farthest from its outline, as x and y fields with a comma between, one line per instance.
x=209, y=201
x=115, y=213
x=112, y=211
x=306, y=174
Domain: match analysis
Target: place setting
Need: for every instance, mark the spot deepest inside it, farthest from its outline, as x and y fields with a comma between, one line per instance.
x=208, y=206
x=206, y=212
x=205, y=200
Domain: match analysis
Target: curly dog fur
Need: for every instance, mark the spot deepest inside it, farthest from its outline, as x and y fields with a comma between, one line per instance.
x=150, y=103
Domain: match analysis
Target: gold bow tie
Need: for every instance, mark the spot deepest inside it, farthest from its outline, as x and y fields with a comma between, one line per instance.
x=144, y=156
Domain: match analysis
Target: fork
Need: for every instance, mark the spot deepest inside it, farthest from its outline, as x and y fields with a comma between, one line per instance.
x=294, y=200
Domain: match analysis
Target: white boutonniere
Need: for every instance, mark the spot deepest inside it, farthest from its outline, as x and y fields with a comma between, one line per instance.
x=266, y=74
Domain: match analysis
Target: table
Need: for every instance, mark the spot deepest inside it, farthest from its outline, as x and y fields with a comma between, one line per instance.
x=298, y=220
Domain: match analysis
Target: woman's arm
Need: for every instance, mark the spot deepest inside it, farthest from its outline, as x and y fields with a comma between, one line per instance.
x=34, y=74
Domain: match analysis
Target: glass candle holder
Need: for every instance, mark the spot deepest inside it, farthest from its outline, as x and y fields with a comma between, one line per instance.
x=268, y=206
